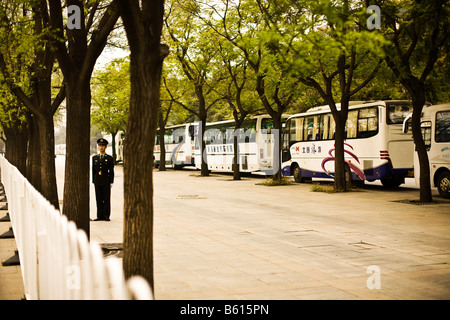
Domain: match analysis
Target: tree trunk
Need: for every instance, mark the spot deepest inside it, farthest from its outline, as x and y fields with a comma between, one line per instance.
x=34, y=153
x=340, y=183
x=416, y=90
x=424, y=164
x=143, y=27
x=16, y=147
x=76, y=176
x=162, y=144
x=204, y=165
x=239, y=120
x=48, y=172
x=418, y=101
x=276, y=163
x=236, y=171
x=138, y=167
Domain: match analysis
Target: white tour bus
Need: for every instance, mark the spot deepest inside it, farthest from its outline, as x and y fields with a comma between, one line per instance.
x=435, y=125
x=375, y=147
x=256, y=142
x=179, y=145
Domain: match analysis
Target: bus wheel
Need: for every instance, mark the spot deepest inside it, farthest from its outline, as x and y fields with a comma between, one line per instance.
x=443, y=184
x=176, y=166
x=297, y=173
x=392, y=183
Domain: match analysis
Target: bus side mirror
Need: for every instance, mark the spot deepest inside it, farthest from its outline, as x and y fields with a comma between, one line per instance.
x=405, y=127
x=406, y=123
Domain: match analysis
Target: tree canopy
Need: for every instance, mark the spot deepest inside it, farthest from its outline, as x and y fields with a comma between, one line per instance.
x=111, y=96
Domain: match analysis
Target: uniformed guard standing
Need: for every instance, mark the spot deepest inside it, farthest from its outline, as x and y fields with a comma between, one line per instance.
x=103, y=178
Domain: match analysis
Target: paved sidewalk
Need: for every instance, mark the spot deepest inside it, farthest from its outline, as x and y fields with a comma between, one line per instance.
x=11, y=283
x=221, y=239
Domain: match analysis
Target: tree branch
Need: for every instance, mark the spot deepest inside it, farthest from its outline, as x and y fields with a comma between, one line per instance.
x=58, y=99
x=368, y=79
x=56, y=24
x=99, y=37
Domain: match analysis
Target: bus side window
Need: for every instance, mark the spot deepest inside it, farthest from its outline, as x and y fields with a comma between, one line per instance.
x=332, y=129
x=367, y=122
x=290, y=131
x=299, y=129
x=287, y=134
x=316, y=131
x=350, y=125
x=324, y=126
x=442, y=126
x=309, y=131
x=168, y=136
x=327, y=127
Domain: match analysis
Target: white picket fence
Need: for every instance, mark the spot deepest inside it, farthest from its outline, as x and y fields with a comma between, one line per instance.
x=57, y=260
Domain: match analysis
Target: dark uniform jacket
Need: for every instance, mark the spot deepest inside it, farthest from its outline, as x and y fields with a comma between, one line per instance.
x=102, y=169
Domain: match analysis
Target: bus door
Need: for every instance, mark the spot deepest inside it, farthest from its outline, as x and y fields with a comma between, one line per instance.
x=285, y=150
x=266, y=143
x=197, y=145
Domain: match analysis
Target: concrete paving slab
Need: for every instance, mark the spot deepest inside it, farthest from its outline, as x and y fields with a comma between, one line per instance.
x=11, y=282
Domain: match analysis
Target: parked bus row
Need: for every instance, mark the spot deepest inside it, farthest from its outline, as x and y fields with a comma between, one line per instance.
x=256, y=143
x=378, y=145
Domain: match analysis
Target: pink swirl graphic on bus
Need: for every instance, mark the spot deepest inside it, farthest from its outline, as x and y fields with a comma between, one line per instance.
x=352, y=166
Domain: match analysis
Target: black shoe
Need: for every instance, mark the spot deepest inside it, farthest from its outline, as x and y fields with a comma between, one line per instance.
x=107, y=219
x=98, y=219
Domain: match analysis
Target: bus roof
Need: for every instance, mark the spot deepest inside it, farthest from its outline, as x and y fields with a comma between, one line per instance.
x=251, y=117
x=178, y=125
x=352, y=105
x=435, y=108
x=444, y=106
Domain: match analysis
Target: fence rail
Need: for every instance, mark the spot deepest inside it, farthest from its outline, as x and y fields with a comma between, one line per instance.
x=57, y=260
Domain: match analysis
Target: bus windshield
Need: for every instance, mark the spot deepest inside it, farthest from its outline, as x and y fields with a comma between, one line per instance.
x=397, y=112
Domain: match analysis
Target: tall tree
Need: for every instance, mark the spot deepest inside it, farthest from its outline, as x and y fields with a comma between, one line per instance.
x=327, y=51
x=27, y=42
x=143, y=24
x=241, y=23
x=111, y=99
x=419, y=33
x=236, y=87
x=77, y=49
x=15, y=128
x=195, y=55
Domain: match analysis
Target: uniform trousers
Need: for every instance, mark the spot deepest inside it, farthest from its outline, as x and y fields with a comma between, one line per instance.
x=103, y=198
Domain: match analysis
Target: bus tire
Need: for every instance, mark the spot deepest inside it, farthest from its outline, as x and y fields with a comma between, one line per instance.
x=443, y=184
x=176, y=166
x=392, y=183
x=297, y=173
